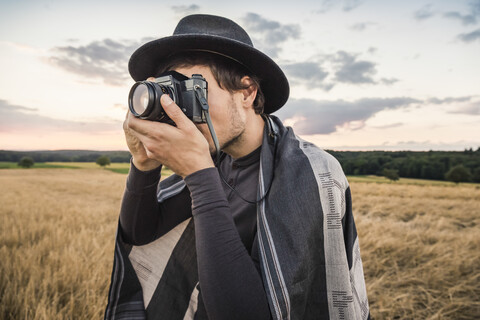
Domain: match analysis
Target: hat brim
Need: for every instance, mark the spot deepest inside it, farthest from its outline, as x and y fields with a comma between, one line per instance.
x=146, y=60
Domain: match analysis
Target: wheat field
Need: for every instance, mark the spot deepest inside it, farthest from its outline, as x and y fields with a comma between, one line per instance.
x=419, y=243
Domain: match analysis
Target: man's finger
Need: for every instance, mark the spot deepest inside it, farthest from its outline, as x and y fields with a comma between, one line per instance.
x=147, y=128
x=174, y=112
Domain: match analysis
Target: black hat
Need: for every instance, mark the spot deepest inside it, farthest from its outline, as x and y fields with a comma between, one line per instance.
x=218, y=35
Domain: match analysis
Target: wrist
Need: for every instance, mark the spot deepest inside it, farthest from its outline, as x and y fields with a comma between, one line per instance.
x=145, y=165
x=201, y=166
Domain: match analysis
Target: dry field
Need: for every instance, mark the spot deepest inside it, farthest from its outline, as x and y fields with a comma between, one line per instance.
x=420, y=245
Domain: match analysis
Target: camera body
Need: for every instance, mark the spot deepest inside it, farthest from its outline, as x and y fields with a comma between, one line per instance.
x=144, y=97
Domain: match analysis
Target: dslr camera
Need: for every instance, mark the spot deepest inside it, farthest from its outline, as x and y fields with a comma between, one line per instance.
x=190, y=94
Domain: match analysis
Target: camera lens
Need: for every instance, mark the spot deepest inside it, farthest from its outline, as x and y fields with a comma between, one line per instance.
x=140, y=99
x=144, y=100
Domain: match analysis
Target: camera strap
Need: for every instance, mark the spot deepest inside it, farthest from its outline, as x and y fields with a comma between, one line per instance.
x=206, y=114
x=272, y=133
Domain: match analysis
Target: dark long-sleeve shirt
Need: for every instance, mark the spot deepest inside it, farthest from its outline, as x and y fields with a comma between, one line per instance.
x=225, y=230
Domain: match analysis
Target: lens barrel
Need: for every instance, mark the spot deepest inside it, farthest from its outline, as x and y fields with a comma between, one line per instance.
x=141, y=99
x=144, y=100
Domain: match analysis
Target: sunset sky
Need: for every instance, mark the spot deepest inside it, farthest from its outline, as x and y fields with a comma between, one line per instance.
x=364, y=75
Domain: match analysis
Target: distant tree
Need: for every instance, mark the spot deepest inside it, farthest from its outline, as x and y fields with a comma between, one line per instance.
x=26, y=162
x=103, y=161
x=391, y=174
x=458, y=174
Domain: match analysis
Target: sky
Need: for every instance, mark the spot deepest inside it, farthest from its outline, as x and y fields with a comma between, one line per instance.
x=364, y=75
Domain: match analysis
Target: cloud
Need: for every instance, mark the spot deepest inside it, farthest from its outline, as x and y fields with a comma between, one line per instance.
x=325, y=6
x=351, y=70
x=269, y=35
x=475, y=7
x=470, y=109
x=347, y=5
x=449, y=100
x=465, y=19
x=327, y=71
x=8, y=107
x=310, y=74
x=458, y=105
x=472, y=17
x=106, y=59
x=361, y=26
x=185, y=10
x=470, y=37
x=388, y=81
x=424, y=13
x=21, y=119
x=388, y=126
x=324, y=117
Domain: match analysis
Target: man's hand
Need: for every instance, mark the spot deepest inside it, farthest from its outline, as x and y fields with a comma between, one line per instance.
x=139, y=155
x=183, y=148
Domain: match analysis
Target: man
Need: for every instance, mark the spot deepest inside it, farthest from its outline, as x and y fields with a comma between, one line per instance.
x=265, y=232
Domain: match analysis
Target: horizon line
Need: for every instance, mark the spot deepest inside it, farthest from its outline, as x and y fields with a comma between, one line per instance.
x=339, y=149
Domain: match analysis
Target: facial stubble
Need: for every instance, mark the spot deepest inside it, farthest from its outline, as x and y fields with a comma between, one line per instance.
x=232, y=135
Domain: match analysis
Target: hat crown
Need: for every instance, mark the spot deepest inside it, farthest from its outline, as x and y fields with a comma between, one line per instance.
x=205, y=24
x=208, y=33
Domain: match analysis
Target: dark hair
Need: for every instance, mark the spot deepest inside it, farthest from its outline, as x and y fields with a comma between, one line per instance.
x=227, y=72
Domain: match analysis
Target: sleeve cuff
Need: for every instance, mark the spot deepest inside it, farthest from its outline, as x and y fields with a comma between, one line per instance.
x=138, y=180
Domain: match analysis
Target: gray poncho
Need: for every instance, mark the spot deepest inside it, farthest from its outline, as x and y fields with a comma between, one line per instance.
x=309, y=251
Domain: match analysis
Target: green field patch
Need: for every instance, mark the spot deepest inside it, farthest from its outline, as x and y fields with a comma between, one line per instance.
x=411, y=181
x=122, y=168
x=165, y=172
x=49, y=165
x=92, y=165
x=38, y=165
x=8, y=165
x=119, y=170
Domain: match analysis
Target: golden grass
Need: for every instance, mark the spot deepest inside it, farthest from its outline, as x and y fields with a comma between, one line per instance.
x=420, y=249
x=57, y=236
x=420, y=245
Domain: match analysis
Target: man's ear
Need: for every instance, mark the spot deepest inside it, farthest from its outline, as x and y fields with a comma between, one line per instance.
x=249, y=93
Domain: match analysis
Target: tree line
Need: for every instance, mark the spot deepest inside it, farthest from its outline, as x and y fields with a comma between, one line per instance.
x=65, y=155
x=433, y=165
